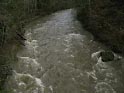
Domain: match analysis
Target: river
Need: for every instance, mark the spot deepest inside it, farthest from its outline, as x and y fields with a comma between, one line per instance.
x=57, y=59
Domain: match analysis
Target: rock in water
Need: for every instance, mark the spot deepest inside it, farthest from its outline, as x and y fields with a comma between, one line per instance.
x=107, y=56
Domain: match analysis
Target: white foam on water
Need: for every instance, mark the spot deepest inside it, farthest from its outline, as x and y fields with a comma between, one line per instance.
x=103, y=87
x=72, y=56
x=22, y=85
x=105, y=71
x=95, y=56
x=32, y=44
x=29, y=36
x=67, y=49
x=71, y=36
x=29, y=64
x=75, y=35
x=38, y=82
x=68, y=40
x=92, y=74
x=51, y=88
x=27, y=82
x=25, y=78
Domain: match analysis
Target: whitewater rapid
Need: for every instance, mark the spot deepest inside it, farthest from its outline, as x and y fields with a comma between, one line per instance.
x=57, y=59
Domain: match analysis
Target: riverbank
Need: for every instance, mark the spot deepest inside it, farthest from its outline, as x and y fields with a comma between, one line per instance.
x=104, y=19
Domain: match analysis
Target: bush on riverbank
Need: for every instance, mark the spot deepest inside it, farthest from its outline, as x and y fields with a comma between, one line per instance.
x=105, y=20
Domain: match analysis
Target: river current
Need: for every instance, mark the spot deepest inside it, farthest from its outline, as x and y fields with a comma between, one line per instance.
x=57, y=58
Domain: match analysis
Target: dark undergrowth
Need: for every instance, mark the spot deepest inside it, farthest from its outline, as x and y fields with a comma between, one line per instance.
x=105, y=20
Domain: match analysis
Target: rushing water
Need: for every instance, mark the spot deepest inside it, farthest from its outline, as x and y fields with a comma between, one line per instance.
x=57, y=59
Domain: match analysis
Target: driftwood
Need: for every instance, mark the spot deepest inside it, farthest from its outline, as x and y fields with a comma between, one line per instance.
x=20, y=38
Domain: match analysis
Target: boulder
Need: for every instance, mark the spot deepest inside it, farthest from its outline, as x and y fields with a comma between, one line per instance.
x=107, y=56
